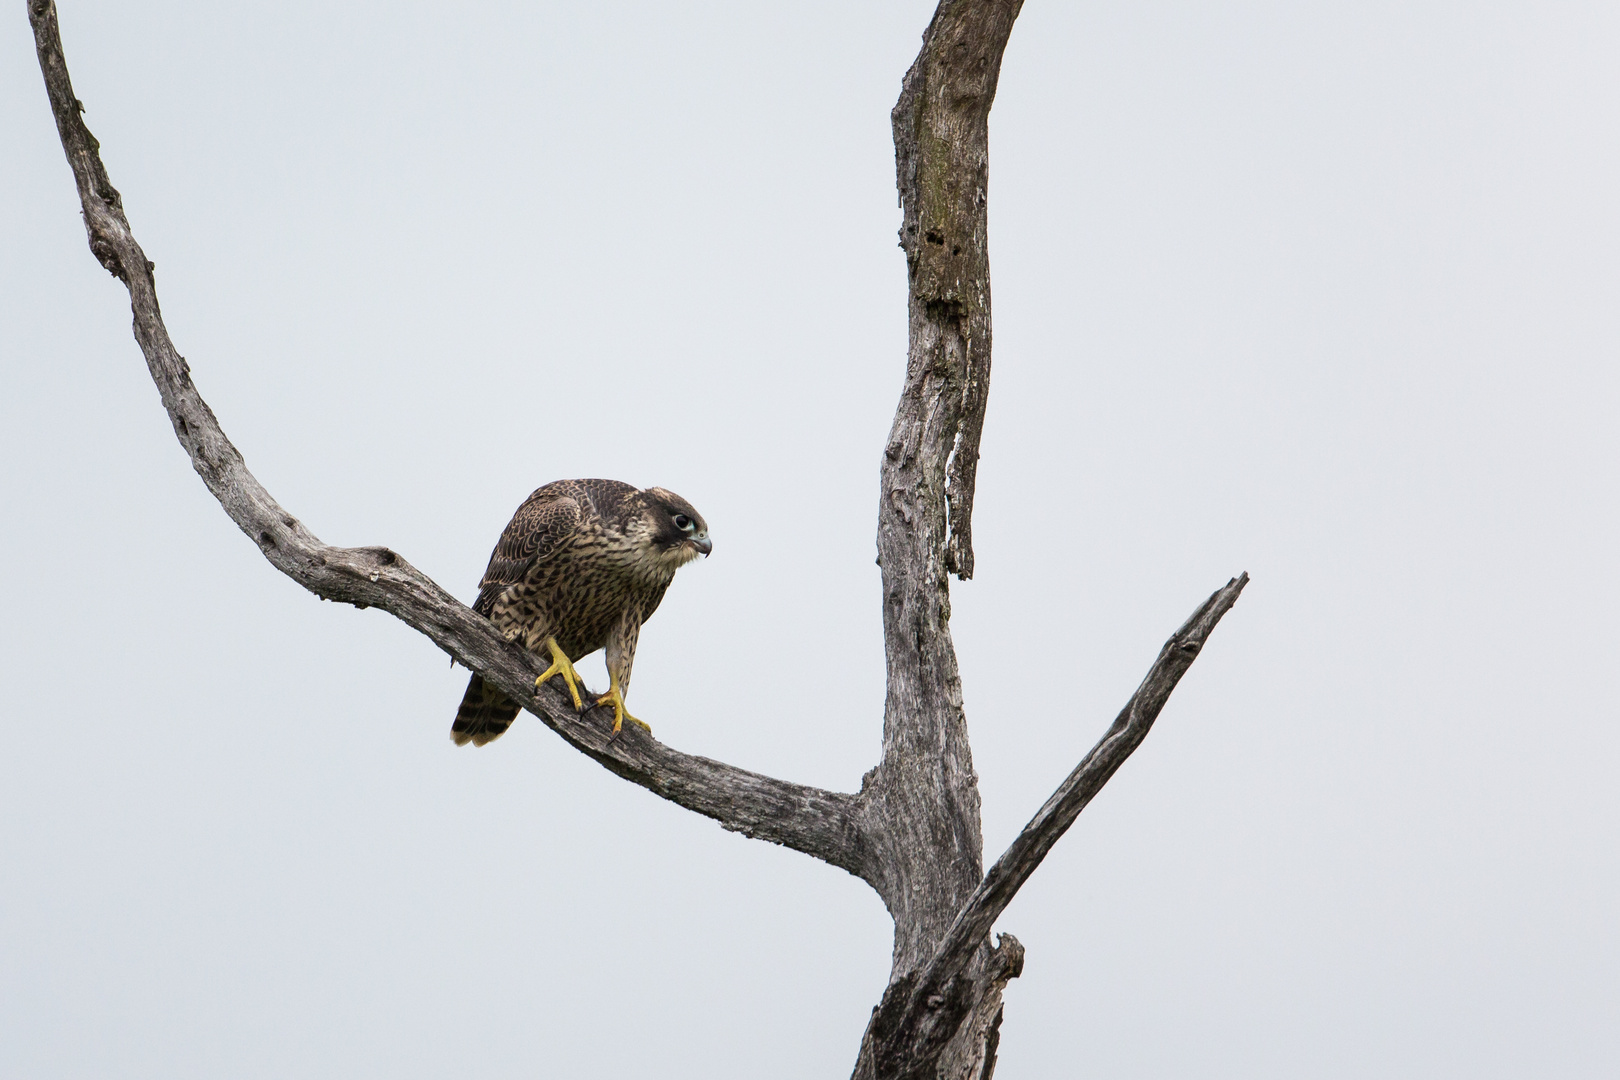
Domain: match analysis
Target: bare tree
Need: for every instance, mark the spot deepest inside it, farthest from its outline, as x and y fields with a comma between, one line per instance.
x=912, y=832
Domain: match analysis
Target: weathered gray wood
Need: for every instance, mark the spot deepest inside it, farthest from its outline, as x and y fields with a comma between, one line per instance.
x=913, y=830
x=942, y=167
x=817, y=822
x=1129, y=728
x=925, y=791
x=925, y=787
x=921, y=1017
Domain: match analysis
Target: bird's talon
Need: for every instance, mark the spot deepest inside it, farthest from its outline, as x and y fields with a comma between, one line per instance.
x=561, y=665
x=620, y=714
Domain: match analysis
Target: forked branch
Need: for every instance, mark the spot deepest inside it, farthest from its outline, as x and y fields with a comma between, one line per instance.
x=921, y=1011
x=1053, y=819
x=913, y=832
x=816, y=822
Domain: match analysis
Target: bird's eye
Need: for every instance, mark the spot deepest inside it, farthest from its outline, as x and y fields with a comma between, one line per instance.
x=683, y=523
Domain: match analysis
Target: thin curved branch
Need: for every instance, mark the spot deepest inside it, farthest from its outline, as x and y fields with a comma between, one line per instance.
x=1053, y=819
x=923, y=1009
x=819, y=823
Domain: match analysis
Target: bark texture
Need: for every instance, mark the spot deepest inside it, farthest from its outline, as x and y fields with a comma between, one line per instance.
x=912, y=831
x=925, y=793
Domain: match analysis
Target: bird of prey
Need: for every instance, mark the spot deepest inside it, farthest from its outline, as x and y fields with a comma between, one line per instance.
x=581, y=566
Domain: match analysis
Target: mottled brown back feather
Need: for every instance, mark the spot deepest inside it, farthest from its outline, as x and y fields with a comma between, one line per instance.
x=547, y=518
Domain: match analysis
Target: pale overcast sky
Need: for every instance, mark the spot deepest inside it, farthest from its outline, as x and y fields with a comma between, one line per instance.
x=1324, y=292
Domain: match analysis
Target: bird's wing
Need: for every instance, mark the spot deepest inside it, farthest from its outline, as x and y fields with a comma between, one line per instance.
x=539, y=528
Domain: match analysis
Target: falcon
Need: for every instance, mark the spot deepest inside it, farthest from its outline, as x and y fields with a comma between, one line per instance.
x=581, y=566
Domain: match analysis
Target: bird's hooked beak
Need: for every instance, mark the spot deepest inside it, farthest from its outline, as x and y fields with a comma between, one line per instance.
x=702, y=543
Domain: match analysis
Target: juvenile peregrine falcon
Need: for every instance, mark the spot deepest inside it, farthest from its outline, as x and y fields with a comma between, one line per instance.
x=581, y=566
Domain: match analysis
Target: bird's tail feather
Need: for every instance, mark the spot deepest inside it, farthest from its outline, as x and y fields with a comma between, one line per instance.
x=485, y=714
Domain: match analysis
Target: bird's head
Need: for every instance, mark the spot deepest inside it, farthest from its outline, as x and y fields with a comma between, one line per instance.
x=678, y=532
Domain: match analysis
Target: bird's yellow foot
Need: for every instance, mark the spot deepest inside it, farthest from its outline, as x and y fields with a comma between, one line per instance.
x=615, y=698
x=561, y=665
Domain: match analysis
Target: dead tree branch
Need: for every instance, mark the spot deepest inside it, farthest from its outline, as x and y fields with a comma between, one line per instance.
x=913, y=831
x=923, y=798
x=924, y=1009
x=1053, y=819
x=925, y=790
x=819, y=823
